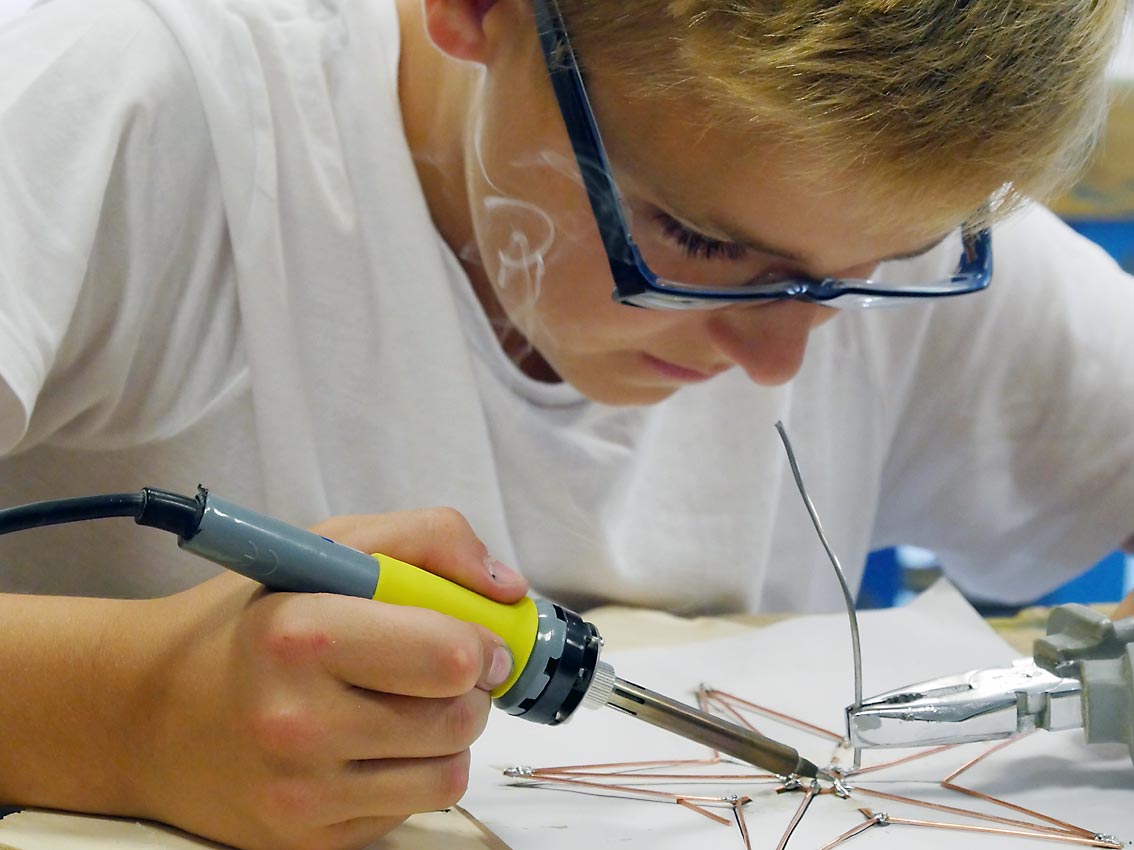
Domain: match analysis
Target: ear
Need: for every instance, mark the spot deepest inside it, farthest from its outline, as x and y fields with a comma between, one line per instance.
x=456, y=27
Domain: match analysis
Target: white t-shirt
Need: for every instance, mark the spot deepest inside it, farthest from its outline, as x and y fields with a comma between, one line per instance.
x=217, y=266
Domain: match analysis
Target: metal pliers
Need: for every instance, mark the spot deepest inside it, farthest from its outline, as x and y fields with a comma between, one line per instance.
x=1082, y=676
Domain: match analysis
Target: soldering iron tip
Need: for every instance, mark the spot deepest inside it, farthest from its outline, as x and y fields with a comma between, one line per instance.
x=807, y=768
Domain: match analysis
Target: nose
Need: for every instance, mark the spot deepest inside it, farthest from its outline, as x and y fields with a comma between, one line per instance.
x=767, y=341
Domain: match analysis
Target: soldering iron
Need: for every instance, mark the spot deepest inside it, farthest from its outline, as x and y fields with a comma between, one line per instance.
x=556, y=665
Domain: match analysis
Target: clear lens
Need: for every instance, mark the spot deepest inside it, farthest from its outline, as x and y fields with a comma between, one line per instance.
x=675, y=252
x=890, y=285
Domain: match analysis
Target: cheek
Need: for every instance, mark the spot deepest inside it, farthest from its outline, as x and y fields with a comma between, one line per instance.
x=823, y=315
x=538, y=263
x=532, y=223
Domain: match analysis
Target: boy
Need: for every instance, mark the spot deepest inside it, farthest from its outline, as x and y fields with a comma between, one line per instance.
x=358, y=257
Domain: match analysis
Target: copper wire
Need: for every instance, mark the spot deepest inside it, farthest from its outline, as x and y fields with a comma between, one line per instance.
x=914, y=757
x=741, y=824
x=572, y=775
x=728, y=698
x=1091, y=841
x=684, y=801
x=872, y=820
x=808, y=795
x=969, y=813
x=948, y=782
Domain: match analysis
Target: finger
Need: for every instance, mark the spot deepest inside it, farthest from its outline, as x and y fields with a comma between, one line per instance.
x=368, y=789
x=436, y=539
x=364, y=725
x=360, y=832
x=393, y=787
x=389, y=648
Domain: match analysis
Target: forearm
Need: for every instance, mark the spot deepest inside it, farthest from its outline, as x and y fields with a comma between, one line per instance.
x=73, y=672
x=258, y=708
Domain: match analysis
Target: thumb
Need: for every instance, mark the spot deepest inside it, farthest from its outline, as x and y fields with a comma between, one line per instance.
x=439, y=540
x=498, y=661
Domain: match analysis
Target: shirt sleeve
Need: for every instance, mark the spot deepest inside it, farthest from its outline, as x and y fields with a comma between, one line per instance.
x=1013, y=451
x=104, y=151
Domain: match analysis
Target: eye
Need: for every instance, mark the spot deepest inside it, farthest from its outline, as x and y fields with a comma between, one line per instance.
x=695, y=244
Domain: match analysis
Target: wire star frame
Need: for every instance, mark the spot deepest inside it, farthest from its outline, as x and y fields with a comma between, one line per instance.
x=641, y=779
x=651, y=781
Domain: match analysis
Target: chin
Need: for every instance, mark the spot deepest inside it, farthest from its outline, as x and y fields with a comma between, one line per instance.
x=622, y=394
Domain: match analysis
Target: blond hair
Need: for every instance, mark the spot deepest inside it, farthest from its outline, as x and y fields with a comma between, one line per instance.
x=963, y=99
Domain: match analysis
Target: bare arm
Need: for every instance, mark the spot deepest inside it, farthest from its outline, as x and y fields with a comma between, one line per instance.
x=73, y=673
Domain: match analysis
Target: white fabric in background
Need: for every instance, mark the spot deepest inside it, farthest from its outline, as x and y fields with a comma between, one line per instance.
x=11, y=8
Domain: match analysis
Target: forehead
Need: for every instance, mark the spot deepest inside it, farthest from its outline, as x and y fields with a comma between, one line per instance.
x=753, y=180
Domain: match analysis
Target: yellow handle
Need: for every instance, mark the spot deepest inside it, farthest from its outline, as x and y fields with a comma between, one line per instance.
x=400, y=583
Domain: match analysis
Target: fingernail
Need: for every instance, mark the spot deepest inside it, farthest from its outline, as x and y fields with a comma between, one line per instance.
x=500, y=668
x=501, y=573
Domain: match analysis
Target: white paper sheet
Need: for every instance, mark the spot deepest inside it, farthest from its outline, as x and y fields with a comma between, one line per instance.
x=801, y=667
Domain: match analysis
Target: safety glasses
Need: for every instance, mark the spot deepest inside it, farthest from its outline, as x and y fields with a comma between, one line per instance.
x=636, y=284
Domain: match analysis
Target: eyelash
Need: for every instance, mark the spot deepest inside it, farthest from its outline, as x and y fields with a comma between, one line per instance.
x=697, y=245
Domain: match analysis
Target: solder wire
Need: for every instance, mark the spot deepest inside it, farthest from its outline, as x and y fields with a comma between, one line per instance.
x=848, y=597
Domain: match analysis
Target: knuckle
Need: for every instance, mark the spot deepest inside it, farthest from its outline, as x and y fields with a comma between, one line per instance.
x=452, y=779
x=448, y=523
x=287, y=732
x=292, y=638
x=459, y=664
x=465, y=717
x=290, y=802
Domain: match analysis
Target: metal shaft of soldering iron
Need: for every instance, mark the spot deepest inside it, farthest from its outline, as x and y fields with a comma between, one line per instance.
x=729, y=738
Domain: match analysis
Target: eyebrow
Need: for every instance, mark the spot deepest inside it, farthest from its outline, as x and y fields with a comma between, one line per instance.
x=753, y=243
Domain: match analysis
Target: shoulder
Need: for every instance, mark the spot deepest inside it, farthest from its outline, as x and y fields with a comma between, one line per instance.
x=138, y=45
x=1036, y=245
x=111, y=196
x=1049, y=283
x=78, y=75
x=69, y=49
x=1048, y=333
x=1057, y=294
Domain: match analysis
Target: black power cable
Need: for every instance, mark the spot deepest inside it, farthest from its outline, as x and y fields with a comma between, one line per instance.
x=150, y=507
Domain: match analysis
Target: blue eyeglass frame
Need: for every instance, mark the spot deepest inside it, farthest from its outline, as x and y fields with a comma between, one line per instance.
x=636, y=284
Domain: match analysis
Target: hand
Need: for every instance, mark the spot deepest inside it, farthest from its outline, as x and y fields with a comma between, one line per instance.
x=282, y=721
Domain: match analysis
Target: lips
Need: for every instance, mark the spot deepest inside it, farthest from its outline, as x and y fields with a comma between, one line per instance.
x=677, y=372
